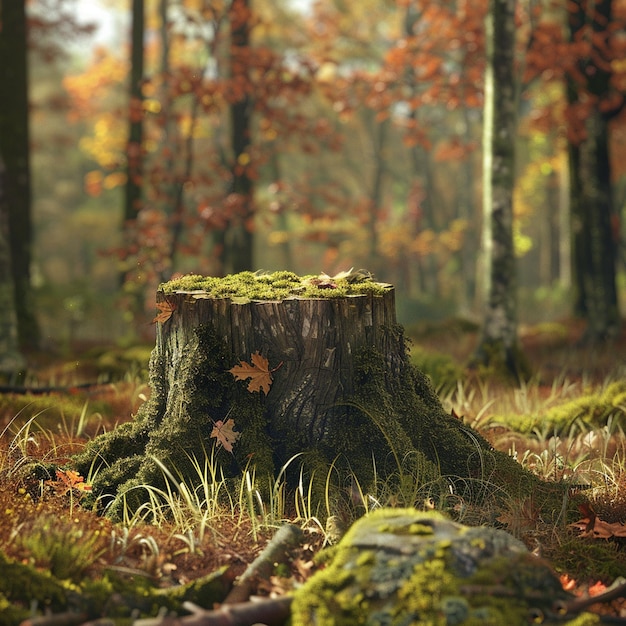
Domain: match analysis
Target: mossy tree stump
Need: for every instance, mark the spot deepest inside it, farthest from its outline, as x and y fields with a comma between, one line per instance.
x=343, y=392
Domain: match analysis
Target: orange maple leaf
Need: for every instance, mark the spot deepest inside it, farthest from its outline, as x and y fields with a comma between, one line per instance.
x=67, y=480
x=166, y=309
x=224, y=433
x=258, y=372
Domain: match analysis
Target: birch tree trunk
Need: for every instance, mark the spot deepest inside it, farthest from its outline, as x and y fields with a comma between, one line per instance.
x=498, y=345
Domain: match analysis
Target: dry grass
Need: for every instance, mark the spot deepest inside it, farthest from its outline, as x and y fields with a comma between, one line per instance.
x=195, y=529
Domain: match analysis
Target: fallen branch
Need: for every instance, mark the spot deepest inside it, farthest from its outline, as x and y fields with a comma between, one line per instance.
x=71, y=618
x=617, y=590
x=270, y=611
x=277, y=550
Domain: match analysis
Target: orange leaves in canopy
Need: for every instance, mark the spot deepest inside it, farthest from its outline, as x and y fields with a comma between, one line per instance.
x=258, y=371
x=87, y=90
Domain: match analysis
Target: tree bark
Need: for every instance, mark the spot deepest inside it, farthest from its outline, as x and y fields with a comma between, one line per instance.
x=594, y=241
x=15, y=150
x=343, y=396
x=498, y=345
x=238, y=238
x=11, y=359
x=134, y=149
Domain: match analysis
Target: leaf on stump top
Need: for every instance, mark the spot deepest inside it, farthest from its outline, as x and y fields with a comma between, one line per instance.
x=258, y=372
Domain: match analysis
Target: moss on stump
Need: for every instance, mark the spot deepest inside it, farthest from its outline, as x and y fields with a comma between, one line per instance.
x=343, y=394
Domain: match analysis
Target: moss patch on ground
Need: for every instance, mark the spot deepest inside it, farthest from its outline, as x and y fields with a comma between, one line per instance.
x=591, y=410
x=119, y=597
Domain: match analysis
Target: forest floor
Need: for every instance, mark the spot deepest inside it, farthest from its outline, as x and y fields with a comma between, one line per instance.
x=44, y=525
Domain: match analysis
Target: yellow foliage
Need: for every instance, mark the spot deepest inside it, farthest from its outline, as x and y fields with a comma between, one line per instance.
x=117, y=179
x=87, y=89
x=106, y=145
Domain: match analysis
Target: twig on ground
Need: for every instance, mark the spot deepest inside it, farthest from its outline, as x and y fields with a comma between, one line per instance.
x=277, y=550
x=267, y=611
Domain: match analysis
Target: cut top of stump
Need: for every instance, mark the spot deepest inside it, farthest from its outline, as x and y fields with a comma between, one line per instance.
x=282, y=285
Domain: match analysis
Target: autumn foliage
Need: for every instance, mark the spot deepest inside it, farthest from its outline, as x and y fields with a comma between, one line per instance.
x=360, y=118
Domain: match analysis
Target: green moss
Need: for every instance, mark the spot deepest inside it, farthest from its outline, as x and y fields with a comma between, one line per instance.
x=589, y=559
x=281, y=285
x=23, y=587
x=433, y=580
x=20, y=584
x=126, y=458
x=443, y=371
x=50, y=411
x=592, y=409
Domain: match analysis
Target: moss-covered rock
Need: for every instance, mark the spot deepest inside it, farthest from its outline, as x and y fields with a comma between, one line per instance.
x=401, y=566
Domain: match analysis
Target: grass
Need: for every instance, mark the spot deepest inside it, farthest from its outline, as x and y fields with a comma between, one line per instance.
x=565, y=425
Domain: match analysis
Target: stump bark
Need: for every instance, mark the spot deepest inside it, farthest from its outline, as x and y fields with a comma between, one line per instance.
x=310, y=342
x=343, y=393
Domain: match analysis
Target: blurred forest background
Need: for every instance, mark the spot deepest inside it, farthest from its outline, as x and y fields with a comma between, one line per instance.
x=179, y=136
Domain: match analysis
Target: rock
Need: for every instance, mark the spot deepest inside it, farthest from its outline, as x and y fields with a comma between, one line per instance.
x=400, y=567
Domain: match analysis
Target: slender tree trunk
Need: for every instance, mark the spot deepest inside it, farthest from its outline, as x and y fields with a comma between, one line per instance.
x=134, y=150
x=498, y=345
x=379, y=133
x=15, y=149
x=11, y=360
x=238, y=239
x=594, y=242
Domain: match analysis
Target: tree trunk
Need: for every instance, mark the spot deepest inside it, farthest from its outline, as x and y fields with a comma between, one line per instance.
x=15, y=149
x=498, y=345
x=134, y=149
x=594, y=242
x=238, y=239
x=343, y=393
x=11, y=360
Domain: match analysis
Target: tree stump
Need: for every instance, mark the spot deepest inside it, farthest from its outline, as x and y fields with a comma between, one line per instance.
x=343, y=392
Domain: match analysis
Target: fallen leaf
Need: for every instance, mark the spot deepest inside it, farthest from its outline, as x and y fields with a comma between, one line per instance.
x=224, y=433
x=258, y=372
x=597, y=588
x=67, y=480
x=593, y=526
x=166, y=309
